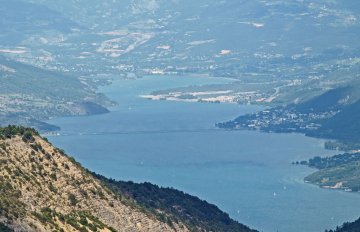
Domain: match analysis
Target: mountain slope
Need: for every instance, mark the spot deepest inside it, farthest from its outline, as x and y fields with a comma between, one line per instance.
x=30, y=95
x=334, y=99
x=343, y=126
x=198, y=215
x=42, y=189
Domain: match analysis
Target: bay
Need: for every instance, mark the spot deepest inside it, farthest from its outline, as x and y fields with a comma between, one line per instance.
x=176, y=144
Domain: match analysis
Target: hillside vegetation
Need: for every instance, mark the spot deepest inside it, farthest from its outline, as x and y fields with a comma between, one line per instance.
x=197, y=214
x=42, y=189
x=344, y=126
x=348, y=227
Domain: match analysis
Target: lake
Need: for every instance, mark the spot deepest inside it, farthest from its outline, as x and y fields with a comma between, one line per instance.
x=175, y=144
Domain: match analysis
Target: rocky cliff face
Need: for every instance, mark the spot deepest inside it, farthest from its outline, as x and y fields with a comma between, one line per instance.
x=42, y=189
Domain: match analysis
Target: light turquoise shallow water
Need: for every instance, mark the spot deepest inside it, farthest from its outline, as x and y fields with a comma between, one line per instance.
x=247, y=174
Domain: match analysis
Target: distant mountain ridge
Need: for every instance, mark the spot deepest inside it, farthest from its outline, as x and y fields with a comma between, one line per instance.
x=186, y=36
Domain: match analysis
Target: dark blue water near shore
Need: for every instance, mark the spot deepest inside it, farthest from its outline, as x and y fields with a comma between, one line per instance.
x=247, y=174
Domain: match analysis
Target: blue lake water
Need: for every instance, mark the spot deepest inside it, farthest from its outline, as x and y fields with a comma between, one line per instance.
x=247, y=174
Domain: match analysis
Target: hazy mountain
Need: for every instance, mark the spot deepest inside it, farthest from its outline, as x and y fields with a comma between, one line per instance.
x=30, y=95
x=21, y=20
x=344, y=126
x=226, y=38
x=303, y=48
